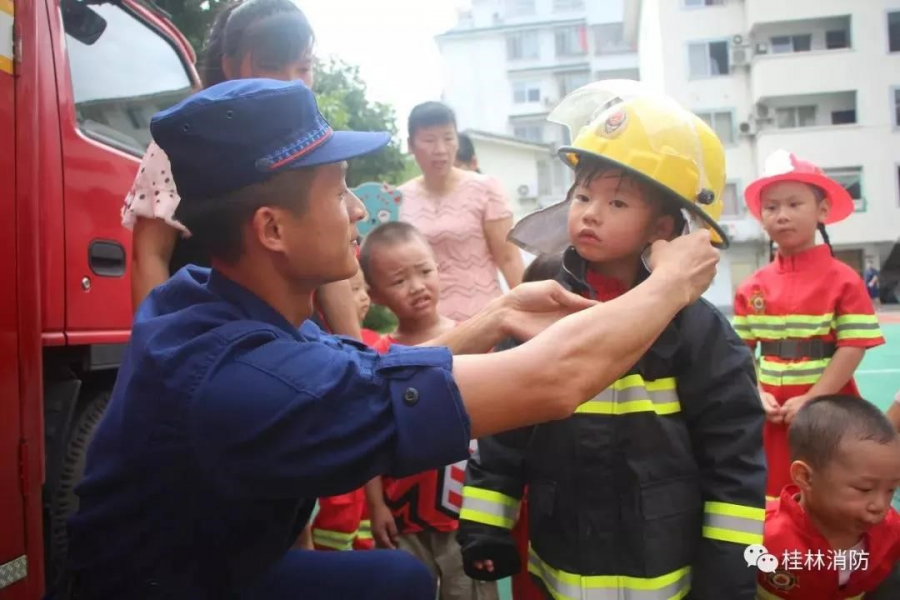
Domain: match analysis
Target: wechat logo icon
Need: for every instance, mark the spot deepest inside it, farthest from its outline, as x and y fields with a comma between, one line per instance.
x=757, y=556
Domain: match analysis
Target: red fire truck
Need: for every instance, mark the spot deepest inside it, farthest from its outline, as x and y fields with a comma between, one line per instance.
x=79, y=82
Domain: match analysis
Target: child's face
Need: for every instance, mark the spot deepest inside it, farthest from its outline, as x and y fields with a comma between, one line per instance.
x=611, y=219
x=435, y=149
x=854, y=492
x=790, y=214
x=404, y=278
x=360, y=292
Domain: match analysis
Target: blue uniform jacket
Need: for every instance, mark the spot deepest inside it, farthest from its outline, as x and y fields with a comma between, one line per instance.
x=226, y=423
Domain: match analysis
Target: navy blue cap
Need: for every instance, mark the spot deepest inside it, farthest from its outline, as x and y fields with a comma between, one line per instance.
x=241, y=132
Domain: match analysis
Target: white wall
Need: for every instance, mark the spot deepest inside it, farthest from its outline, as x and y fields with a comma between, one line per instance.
x=514, y=165
x=472, y=85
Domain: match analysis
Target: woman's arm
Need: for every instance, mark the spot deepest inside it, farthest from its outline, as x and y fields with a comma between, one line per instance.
x=152, y=246
x=335, y=300
x=506, y=255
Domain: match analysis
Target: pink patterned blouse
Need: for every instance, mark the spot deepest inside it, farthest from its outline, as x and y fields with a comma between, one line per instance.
x=454, y=225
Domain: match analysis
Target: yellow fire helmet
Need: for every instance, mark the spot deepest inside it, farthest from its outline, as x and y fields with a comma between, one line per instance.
x=650, y=135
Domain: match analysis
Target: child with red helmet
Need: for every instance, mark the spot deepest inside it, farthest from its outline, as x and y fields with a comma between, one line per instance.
x=808, y=312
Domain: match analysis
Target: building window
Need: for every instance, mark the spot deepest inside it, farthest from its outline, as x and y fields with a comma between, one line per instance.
x=731, y=205
x=533, y=132
x=785, y=44
x=708, y=59
x=116, y=91
x=564, y=5
x=522, y=45
x=851, y=179
x=569, y=82
x=795, y=116
x=894, y=31
x=526, y=91
x=608, y=39
x=571, y=41
x=843, y=117
x=544, y=177
x=519, y=8
x=895, y=96
x=722, y=123
x=700, y=3
x=839, y=38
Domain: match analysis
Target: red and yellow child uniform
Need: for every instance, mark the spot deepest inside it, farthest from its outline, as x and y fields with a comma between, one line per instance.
x=342, y=522
x=428, y=501
x=799, y=310
x=809, y=569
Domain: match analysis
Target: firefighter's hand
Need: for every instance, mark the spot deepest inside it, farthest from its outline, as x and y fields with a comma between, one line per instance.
x=771, y=407
x=484, y=565
x=790, y=408
x=690, y=260
x=533, y=307
x=384, y=528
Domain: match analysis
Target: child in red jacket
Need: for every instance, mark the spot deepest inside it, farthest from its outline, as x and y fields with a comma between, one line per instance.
x=418, y=514
x=834, y=534
x=342, y=522
x=808, y=312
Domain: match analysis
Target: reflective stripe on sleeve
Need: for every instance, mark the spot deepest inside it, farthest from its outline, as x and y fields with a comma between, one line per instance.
x=733, y=523
x=488, y=507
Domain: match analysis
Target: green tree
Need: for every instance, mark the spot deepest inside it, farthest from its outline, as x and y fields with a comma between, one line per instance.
x=341, y=95
x=194, y=18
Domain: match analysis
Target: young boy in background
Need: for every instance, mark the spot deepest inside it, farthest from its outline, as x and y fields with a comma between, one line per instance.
x=418, y=514
x=834, y=532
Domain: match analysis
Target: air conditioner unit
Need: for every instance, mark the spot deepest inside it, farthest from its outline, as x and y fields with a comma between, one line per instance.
x=526, y=191
x=762, y=48
x=747, y=128
x=740, y=56
x=762, y=111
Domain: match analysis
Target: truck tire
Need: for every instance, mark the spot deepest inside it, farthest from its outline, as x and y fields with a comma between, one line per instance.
x=64, y=502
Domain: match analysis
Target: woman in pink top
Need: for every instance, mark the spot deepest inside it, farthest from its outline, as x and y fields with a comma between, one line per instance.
x=464, y=215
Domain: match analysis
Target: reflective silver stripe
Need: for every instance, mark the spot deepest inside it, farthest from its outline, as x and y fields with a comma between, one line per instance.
x=864, y=326
x=792, y=372
x=733, y=523
x=13, y=571
x=504, y=511
x=563, y=586
x=633, y=394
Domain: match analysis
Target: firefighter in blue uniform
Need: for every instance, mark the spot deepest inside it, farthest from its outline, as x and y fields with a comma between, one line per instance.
x=232, y=412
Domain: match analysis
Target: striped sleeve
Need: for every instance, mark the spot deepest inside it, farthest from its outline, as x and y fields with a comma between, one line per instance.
x=740, y=323
x=855, y=322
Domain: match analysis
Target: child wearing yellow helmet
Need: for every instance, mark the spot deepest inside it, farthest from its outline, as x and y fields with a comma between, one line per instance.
x=654, y=488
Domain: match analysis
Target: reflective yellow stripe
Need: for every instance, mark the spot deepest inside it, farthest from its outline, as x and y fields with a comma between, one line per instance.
x=488, y=507
x=858, y=327
x=793, y=373
x=764, y=594
x=733, y=523
x=781, y=327
x=6, y=36
x=365, y=530
x=632, y=394
x=571, y=586
x=336, y=540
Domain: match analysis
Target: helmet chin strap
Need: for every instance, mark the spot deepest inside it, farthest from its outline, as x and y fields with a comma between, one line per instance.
x=691, y=224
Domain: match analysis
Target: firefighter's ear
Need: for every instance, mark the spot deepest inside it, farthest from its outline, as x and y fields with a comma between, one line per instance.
x=802, y=475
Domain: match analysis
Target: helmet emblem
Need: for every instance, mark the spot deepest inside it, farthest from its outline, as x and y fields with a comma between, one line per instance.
x=614, y=124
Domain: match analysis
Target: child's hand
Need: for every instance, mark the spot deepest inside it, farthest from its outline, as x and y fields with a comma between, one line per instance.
x=771, y=407
x=485, y=565
x=790, y=408
x=384, y=528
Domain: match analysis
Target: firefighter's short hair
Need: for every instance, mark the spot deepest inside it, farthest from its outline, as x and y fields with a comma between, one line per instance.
x=823, y=423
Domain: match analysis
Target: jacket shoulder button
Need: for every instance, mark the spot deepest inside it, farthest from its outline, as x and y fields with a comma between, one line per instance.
x=411, y=396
